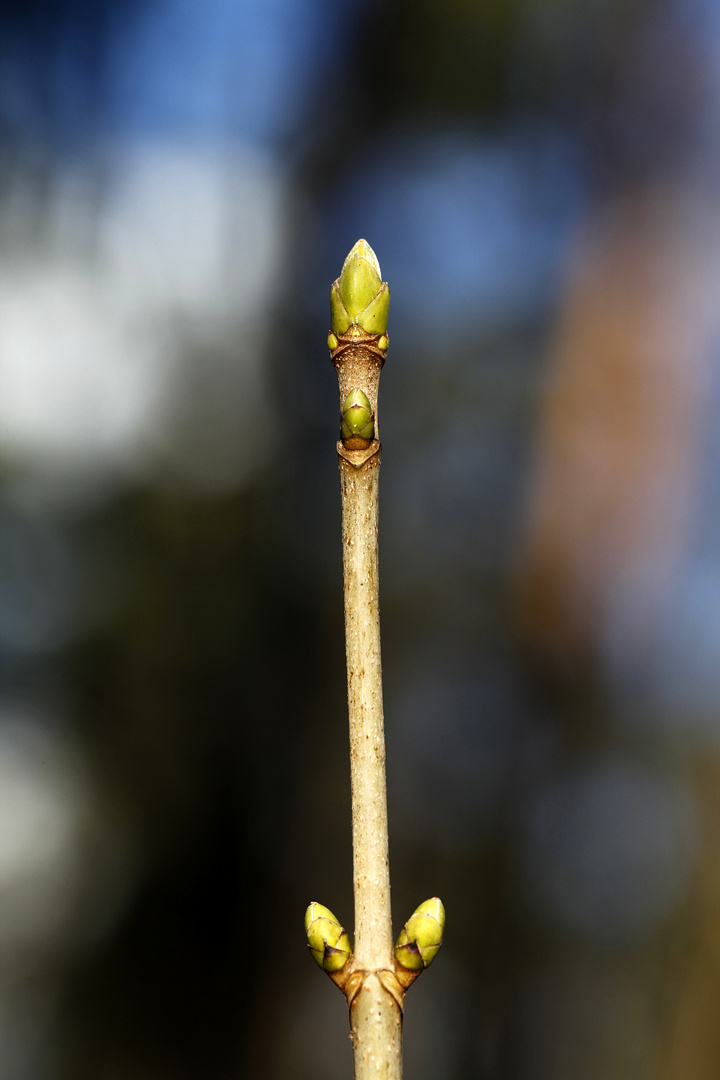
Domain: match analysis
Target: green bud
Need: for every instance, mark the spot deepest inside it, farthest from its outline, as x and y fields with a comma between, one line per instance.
x=359, y=297
x=332, y=342
x=421, y=936
x=357, y=420
x=383, y=343
x=328, y=941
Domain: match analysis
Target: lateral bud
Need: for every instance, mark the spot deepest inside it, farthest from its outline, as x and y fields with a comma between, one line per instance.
x=328, y=941
x=420, y=940
x=357, y=421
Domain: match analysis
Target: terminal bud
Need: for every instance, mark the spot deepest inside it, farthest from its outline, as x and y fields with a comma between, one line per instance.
x=359, y=297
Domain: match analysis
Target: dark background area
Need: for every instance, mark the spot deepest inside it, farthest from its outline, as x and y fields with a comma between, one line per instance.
x=179, y=185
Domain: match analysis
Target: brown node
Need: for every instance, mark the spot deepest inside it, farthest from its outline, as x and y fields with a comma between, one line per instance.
x=357, y=458
x=355, y=337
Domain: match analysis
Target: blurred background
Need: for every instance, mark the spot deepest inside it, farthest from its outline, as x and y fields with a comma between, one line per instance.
x=179, y=184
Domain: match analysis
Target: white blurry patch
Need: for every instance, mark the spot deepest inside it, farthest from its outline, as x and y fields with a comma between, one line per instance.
x=610, y=849
x=61, y=881
x=77, y=379
x=192, y=229
x=183, y=245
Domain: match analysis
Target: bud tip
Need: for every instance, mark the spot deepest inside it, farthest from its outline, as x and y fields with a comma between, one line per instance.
x=361, y=249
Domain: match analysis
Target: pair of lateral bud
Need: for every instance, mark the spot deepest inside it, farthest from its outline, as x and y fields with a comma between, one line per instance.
x=416, y=947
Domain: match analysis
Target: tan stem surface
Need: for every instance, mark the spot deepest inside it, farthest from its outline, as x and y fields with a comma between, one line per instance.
x=375, y=1016
x=376, y=1031
x=371, y=874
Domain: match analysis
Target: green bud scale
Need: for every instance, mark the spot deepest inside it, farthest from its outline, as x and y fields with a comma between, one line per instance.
x=421, y=937
x=329, y=943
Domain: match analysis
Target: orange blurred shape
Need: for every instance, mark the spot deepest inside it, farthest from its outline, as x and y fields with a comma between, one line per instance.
x=615, y=489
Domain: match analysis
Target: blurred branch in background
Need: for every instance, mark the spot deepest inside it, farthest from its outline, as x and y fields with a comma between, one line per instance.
x=619, y=510
x=618, y=485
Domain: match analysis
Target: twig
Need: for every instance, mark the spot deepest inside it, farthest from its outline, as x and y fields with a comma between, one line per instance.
x=374, y=978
